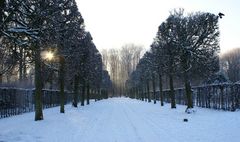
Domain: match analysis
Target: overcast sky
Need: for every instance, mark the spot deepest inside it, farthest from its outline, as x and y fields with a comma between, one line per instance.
x=114, y=23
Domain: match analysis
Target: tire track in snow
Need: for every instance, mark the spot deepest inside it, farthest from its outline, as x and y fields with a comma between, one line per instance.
x=151, y=123
x=132, y=124
x=143, y=122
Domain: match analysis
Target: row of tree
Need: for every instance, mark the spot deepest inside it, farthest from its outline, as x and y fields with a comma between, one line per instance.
x=32, y=31
x=121, y=63
x=185, y=49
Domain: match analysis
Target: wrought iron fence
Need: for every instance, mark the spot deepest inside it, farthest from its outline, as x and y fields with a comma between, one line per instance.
x=219, y=96
x=14, y=101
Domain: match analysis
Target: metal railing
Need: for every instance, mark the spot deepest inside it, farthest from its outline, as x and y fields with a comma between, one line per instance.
x=14, y=101
x=217, y=96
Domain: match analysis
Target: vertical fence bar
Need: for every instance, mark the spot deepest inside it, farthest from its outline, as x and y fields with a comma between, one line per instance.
x=14, y=101
x=221, y=96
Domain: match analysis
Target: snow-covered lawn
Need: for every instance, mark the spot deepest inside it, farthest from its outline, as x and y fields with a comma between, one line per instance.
x=123, y=120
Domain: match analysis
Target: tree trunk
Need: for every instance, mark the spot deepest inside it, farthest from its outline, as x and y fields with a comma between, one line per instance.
x=188, y=91
x=88, y=93
x=187, y=82
x=160, y=88
x=61, y=80
x=38, y=86
x=83, y=93
x=154, y=88
x=135, y=92
x=145, y=93
x=148, y=91
x=2, y=6
x=95, y=94
x=107, y=93
x=99, y=93
x=24, y=66
x=76, y=89
x=1, y=78
x=222, y=99
x=172, y=95
x=21, y=65
x=51, y=81
x=139, y=93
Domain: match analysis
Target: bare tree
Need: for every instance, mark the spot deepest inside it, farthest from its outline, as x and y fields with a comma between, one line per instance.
x=121, y=64
x=104, y=53
x=113, y=56
x=231, y=64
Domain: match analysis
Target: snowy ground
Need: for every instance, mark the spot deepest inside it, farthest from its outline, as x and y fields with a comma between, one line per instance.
x=123, y=120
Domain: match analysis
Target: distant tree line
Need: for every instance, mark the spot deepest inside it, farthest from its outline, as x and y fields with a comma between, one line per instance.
x=230, y=64
x=32, y=29
x=121, y=63
x=184, y=50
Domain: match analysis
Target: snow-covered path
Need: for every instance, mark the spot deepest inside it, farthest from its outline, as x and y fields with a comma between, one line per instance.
x=123, y=120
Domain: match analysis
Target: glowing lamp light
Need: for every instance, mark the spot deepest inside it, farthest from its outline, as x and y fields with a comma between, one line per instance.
x=48, y=55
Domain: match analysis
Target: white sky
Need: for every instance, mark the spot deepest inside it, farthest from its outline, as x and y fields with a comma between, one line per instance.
x=114, y=23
